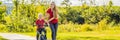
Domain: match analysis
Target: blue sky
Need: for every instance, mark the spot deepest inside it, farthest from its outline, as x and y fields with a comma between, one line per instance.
x=98, y=2
x=74, y=2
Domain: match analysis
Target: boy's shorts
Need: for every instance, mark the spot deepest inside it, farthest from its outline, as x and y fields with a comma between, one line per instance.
x=40, y=30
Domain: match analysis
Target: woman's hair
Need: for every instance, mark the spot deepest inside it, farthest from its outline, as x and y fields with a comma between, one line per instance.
x=55, y=11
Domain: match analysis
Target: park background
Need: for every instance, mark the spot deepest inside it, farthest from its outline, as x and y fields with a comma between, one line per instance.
x=78, y=20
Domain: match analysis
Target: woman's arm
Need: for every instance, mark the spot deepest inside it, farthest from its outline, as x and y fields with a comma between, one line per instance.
x=46, y=16
x=55, y=16
x=51, y=19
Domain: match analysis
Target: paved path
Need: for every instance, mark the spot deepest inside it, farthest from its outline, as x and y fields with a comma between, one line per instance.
x=14, y=36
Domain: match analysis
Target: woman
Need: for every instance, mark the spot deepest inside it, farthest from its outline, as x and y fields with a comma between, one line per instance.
x=52, y=19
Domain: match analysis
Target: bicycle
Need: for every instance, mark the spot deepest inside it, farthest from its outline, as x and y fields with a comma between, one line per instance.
x=42, y=34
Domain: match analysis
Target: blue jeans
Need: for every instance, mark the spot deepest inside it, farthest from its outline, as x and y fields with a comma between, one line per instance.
x=53, y=28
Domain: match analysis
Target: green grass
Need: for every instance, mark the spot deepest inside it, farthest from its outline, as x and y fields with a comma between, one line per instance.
x=94, y=35
x=2, y=38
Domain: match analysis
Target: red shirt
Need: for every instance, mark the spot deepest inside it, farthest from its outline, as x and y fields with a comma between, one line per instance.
x=50, y=12
x=40, y=23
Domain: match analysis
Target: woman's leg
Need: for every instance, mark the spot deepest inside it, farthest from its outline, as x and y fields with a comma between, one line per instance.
x=55, y=27
x=53, y=31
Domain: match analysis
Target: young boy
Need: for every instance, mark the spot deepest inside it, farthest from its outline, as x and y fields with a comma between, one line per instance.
x=40, y=22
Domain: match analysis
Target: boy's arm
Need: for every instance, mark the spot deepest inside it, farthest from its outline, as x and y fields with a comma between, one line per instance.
x=36, y=23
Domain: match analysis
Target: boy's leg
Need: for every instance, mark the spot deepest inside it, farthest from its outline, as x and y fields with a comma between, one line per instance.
x=40, y=32
x=45, y=33
x=37, y=35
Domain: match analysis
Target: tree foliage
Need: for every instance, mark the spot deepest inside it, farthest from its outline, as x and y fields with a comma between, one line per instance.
x=23, y=16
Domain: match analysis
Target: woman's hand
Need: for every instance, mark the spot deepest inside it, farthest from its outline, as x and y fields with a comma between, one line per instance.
x=47, y=23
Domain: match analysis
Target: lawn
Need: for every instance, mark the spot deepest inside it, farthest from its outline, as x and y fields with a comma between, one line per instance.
x=2, y=38
x=93, y=35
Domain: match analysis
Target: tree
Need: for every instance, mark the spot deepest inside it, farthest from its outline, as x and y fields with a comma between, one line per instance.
x=2, y=10
x=0, y=3
x=16, y=3
x=67, y=3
